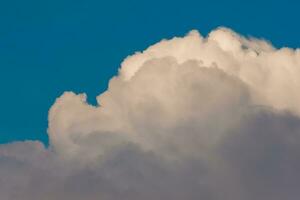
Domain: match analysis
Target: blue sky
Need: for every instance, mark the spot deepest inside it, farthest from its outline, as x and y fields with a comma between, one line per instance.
x=47, y=47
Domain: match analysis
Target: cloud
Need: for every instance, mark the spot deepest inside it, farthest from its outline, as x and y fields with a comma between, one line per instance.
x=214, y=117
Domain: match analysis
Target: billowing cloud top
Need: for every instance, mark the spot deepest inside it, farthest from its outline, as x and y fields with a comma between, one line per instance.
x=214, y=118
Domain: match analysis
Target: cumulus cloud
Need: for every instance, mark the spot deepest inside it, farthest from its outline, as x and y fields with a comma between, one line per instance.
x=214, y=117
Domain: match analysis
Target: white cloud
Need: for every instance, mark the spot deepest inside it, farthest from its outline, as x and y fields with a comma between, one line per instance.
x=188, y=118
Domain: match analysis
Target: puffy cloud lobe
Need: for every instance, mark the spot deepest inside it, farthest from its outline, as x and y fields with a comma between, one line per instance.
x=272, y=73
x=188, y=118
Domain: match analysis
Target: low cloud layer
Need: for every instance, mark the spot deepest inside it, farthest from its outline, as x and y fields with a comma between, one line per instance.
x=212, y=118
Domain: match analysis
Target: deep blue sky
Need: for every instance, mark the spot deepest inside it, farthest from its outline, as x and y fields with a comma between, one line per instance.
x=50, y=46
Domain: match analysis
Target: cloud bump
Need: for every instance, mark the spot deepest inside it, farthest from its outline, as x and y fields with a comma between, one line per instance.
x=214, y=117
